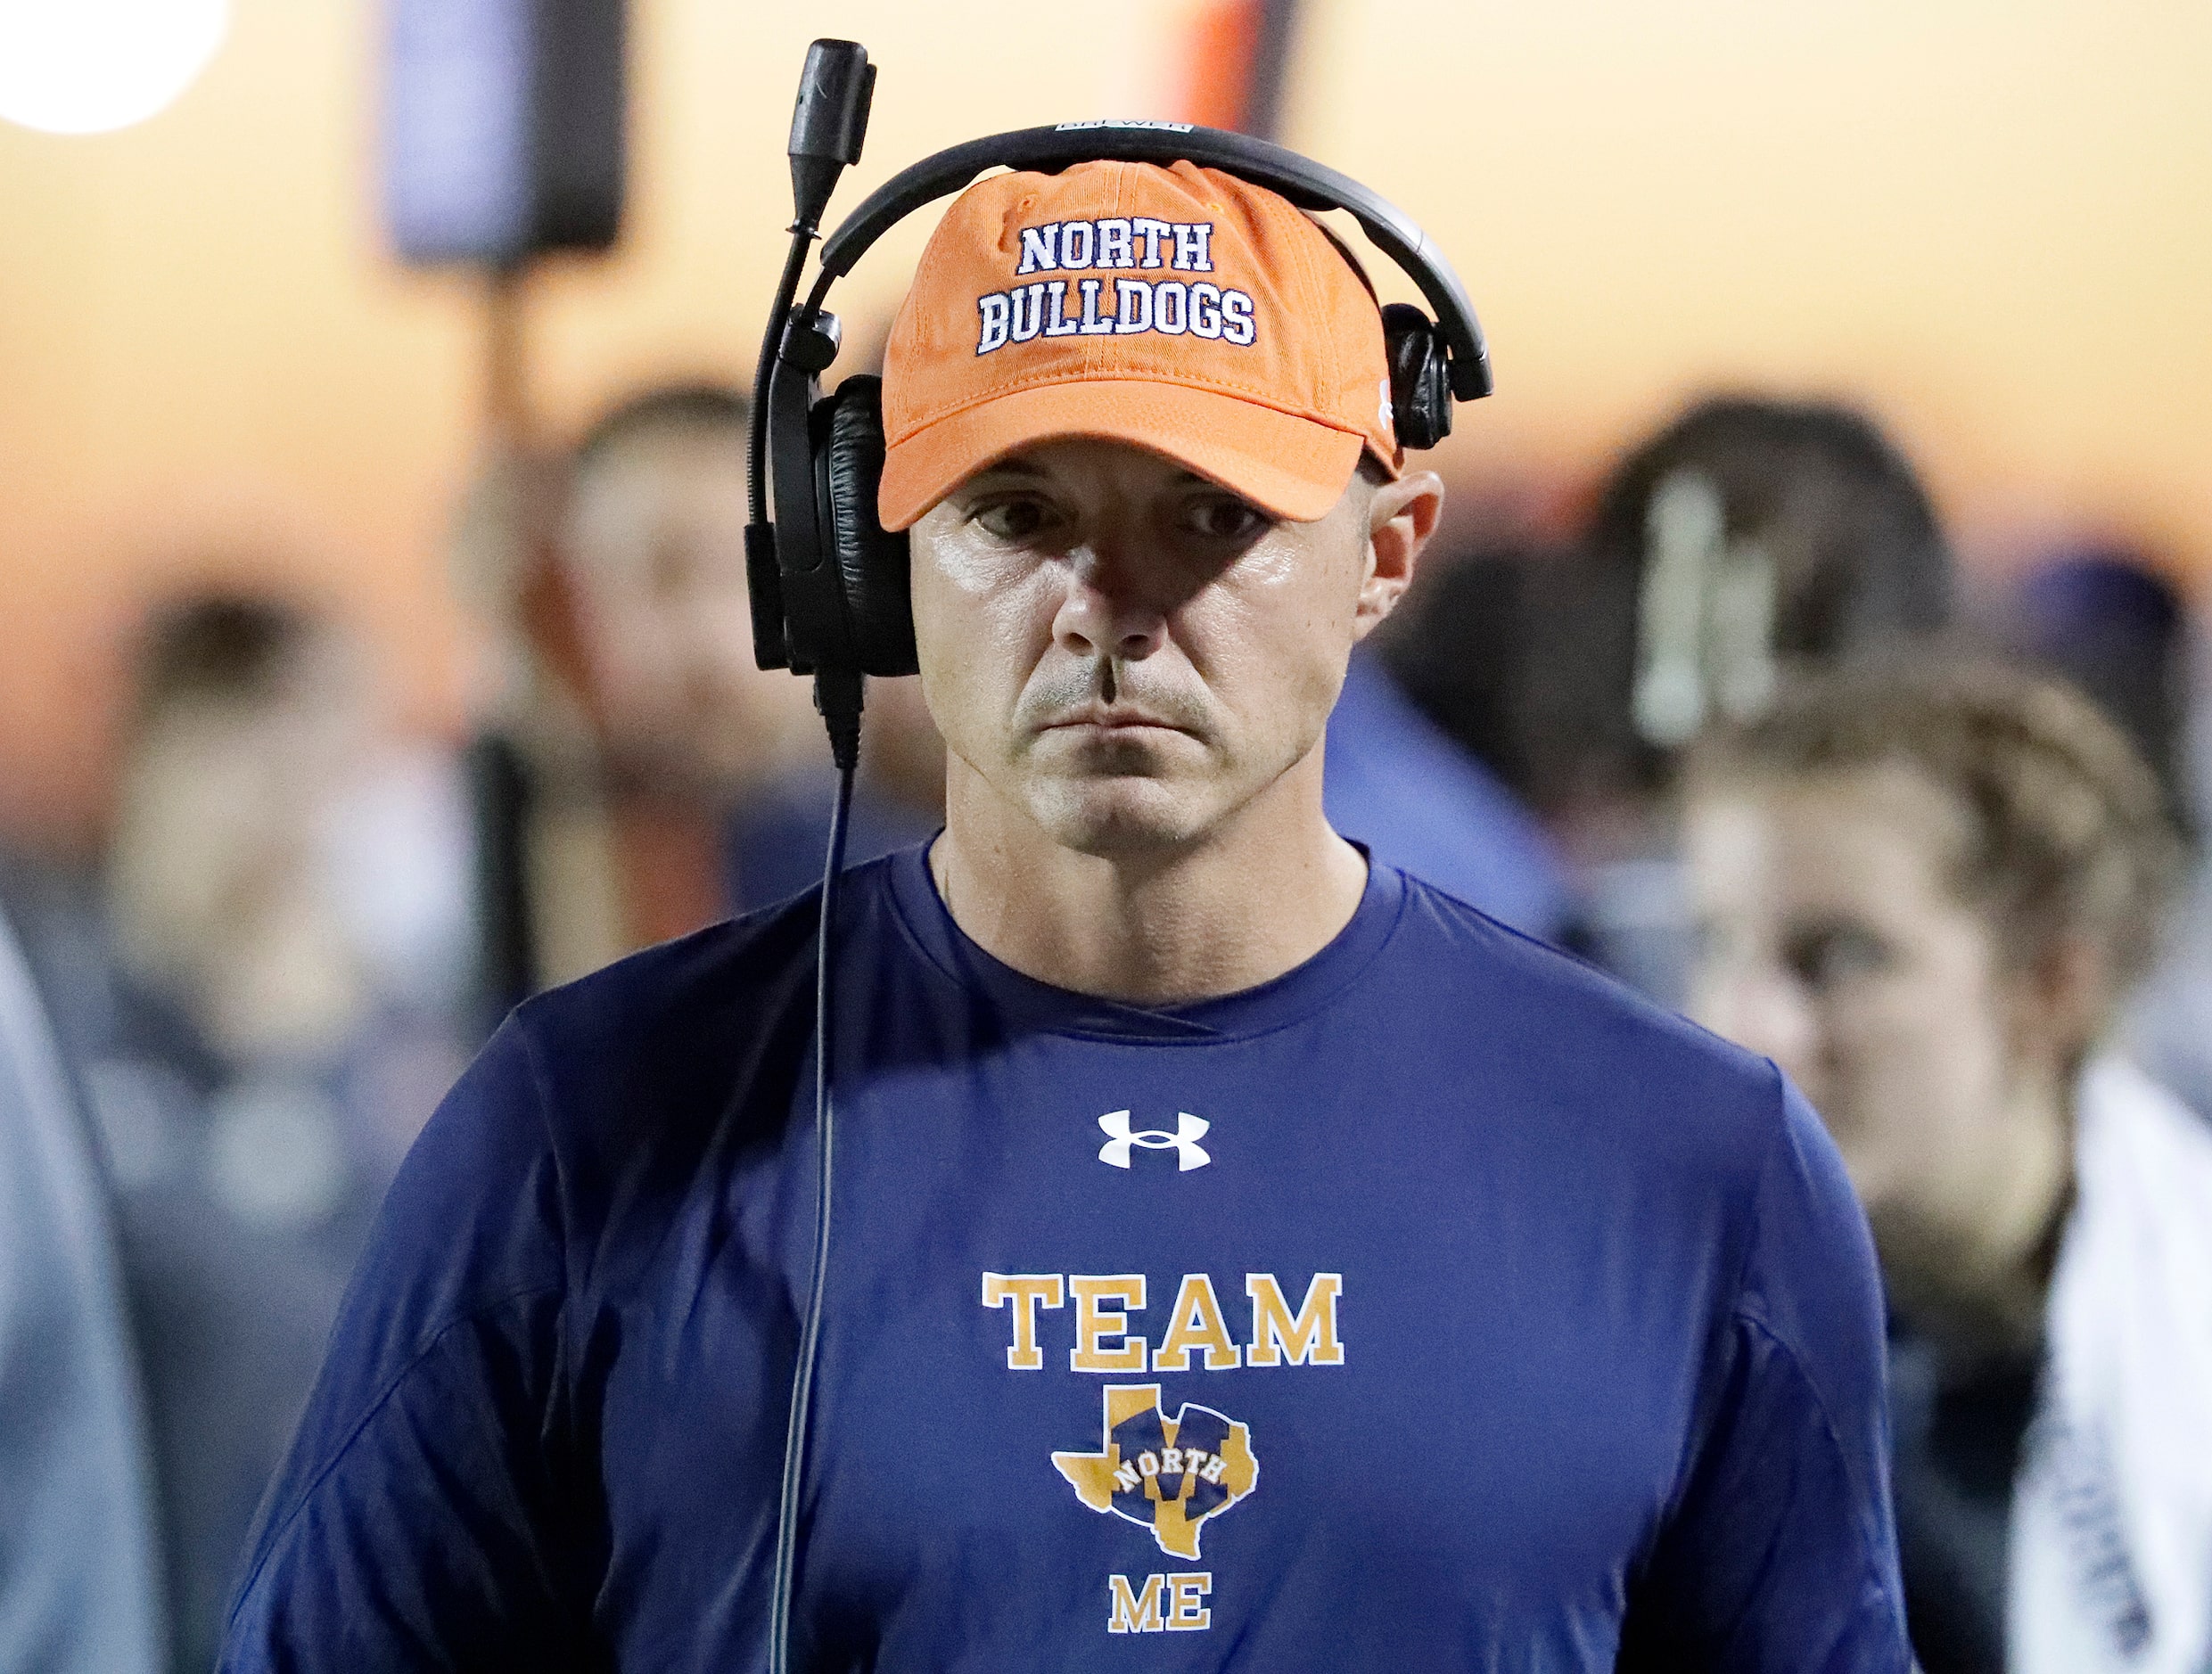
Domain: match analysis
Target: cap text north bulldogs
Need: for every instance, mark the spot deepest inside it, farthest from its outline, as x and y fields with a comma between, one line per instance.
x=1170, y=306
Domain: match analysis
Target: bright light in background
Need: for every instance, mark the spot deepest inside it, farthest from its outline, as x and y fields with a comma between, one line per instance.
x=88, y=65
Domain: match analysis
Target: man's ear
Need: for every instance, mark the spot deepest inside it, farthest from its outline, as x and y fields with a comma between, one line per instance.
x=1401, y=517
x=2065, y=997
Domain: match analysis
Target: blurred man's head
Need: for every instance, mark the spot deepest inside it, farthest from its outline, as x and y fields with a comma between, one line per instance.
x=1922, y=891
x=1143, y=540
x=1836, y=508
x=1747, y=536
x=250, y=719
x=654, y=551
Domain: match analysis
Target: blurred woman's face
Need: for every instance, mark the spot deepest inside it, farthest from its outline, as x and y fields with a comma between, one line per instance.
x=1833, y=943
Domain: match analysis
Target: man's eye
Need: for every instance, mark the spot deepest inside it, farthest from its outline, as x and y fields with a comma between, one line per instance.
x=1829, y=957
x=1013, y=519
x=1224, y=517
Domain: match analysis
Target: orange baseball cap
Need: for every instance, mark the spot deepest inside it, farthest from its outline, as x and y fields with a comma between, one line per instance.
x=1179, y=309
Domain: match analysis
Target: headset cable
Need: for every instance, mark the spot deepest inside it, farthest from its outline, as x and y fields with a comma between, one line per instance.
x=838, y=697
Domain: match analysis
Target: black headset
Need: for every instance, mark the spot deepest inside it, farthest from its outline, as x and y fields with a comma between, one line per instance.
x=828, y=582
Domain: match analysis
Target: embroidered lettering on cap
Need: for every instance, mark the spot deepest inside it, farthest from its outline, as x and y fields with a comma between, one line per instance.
x=1120, y=307
x=1075, y=246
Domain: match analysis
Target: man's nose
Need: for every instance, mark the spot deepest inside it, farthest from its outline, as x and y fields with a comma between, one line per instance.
x=1107, y=610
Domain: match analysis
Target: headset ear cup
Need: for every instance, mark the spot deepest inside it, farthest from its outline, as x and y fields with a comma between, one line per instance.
x=872, y=563
x=1421, y=382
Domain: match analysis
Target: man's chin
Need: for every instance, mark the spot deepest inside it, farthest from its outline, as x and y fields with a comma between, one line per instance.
x=1122, y=817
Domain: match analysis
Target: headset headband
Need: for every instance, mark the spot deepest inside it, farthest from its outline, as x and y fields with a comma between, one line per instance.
x=1302, y=182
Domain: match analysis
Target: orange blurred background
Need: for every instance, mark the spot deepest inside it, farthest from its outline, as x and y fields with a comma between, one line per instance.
x=1988, y=222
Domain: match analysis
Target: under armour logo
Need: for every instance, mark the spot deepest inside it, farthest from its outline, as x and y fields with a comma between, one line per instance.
x=1183, y=1141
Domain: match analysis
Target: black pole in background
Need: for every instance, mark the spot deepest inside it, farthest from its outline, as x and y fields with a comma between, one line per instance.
x=503, y=138
x=1275, y=40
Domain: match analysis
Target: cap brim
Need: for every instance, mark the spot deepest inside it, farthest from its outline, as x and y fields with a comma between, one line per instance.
x=1295, y=468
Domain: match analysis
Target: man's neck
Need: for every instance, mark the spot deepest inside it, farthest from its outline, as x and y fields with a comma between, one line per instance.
x=1259, y=896
x=1978, y=1271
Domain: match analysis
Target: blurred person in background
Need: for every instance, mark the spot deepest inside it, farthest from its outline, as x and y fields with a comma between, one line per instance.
x=1459, y=648
x=1925, y=892
x=644, y=776
x=1744, y=535
x=2104, y=618
x=262, y=1014
x=1424, y=802
x=79, y=1581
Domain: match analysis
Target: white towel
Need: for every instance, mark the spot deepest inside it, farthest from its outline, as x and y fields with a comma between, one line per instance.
x=2112, y=1547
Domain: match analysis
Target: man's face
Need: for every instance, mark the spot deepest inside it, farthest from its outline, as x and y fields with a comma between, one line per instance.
x=1130, y=653
x=220, y=863
x=1835, y=942
x=657, y=564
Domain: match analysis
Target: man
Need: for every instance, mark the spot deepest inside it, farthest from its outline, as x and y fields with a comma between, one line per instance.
x=1429, y=1304
x=649, y=778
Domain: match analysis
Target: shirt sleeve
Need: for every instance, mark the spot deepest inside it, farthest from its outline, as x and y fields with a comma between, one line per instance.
x=1781, y=1554
x=424, y=1519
